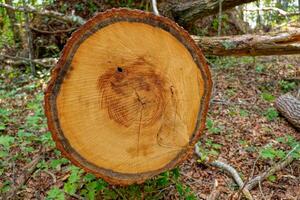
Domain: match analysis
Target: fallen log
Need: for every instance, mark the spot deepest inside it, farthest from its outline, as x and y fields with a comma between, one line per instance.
x=243, y=45
x=289, y=107
x=187, y=13
x=251, y=45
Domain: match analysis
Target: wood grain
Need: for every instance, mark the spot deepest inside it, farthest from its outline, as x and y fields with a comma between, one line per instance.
x=129, y=96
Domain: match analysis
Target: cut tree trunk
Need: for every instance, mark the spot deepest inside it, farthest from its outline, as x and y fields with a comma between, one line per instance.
x=251, y=45
x=289, y=107
x=121, y=102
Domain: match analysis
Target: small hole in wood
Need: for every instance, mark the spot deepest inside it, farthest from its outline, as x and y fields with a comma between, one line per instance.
x=119, y=69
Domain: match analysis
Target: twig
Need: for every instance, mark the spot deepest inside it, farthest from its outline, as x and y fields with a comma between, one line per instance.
x=280, y=11
x=47, y=13
x=15, y=60
x=230, y=170
x=53, y=32
x=279, y=166
x=215, y=192
x=51, y=174
x=28, y=171
x=261, y=192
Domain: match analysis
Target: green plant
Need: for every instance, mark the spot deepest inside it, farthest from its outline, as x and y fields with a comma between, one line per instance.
x=212, y=127
x=271, y=114
x=244, y=113
x=272, y=153
x=267, y=97
x=259, y=68
x=73, y=181
x=272, y=178
x=292, y=143
x=208, y=149
x=55, y=194
x=287, y=86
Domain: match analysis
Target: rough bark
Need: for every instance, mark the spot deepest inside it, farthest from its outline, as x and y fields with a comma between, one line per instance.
x=188, y=12
x=251, y=45
x=289, y=107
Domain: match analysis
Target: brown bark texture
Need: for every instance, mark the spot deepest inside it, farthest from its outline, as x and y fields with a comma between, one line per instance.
x=251, y=45
x=289, y=107
x=188, y=12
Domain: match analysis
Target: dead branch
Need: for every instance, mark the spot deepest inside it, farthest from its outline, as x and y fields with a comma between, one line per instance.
x=230, y=170
x=278, y=167
x=251, y=45
x=28, y=171
x=280, y=11
x=15, y=60
x=47, y=13
x=53, y=32
x=215, y=192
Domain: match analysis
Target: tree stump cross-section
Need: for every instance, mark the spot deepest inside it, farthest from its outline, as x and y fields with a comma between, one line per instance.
x=129, y=96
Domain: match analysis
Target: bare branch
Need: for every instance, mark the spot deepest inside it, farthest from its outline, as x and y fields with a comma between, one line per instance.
x=251, y=45
x=280, y=11
x=230, y=170
x=47, y=13
x=279, y=166
x=15, y=60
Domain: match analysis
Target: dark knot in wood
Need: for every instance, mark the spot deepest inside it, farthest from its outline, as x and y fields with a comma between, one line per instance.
x=134, y=95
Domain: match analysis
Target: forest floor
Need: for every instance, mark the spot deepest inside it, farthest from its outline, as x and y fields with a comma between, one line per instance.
x=243, y=130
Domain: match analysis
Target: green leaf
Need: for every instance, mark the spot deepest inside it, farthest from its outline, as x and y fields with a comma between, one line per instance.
x=164, y=179
x=271, y=114
x=6, y=141
x=3, y=154
x=244, y=113
x=56, y=163
x=180, y=189
x=2, y=127
x=209, y=123
x=70, y=188
x=267, y=97
x=272, y=178
x=89, y=177
x=92, y=189
x=176, y=173
x=55, y=194
x=260, y=68
x=268, y=153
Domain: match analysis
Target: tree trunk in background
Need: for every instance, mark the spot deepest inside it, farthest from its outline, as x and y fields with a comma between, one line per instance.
x=289, y=107
x=188, y=12
x=13, y=22
x=250, y=45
